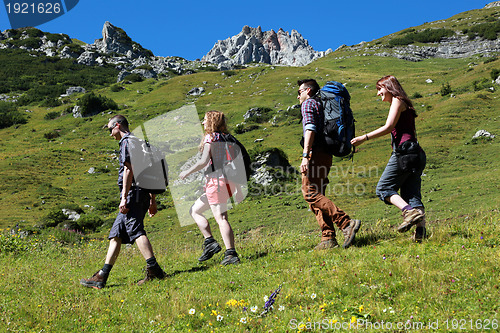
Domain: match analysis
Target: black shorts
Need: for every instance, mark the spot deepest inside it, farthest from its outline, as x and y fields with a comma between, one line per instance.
x=128, y=227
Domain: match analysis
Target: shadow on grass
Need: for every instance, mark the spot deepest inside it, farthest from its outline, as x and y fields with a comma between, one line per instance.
x=372, y=239
x=190, y=270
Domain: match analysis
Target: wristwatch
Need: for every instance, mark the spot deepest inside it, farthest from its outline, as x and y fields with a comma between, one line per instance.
x=306, y=155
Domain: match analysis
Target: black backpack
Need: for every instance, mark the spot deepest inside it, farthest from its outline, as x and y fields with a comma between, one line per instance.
x=232, y=165
x=148, y=165
x=339, y=121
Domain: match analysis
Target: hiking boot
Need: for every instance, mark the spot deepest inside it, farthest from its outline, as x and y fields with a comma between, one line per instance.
x=420, y=234
x=350, y=232
x=230, y=258
x=327, y=244
x=152, y=273
x=97, y=281
x=209, y=250
x=410, y=218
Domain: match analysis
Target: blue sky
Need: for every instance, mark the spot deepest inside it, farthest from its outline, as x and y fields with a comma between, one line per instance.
x=189, y=29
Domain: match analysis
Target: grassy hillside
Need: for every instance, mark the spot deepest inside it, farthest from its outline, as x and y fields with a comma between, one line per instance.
x=451, y=280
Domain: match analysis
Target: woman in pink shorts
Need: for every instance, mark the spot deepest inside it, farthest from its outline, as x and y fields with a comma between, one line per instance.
x=217, y=189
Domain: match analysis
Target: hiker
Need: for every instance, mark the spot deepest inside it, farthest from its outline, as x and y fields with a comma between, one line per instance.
x=315, y=167
x=129, y=224
x=217, y=189
x=404, y=169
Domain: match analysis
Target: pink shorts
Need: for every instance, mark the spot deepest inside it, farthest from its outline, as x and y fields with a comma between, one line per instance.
x=218, y=193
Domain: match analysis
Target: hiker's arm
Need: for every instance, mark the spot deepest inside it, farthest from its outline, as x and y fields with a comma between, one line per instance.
x=153, y=209
x=308, y=143
x=127, y=183
x=392, y=120
x=202, y=162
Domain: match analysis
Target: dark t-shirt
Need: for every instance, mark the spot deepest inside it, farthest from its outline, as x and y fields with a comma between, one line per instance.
x=124, y=156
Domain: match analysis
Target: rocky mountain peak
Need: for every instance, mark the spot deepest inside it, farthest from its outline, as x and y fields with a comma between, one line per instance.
x=492, y=4
x=270, y=47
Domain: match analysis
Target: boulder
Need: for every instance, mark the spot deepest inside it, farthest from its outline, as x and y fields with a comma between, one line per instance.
x=75, y=90
x=483, y=134
x=87, y=58
x=196, y=91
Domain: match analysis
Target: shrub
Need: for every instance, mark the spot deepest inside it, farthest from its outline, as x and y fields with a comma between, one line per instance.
x=445, y=89
x=33, y=32
x=51, y=135
x=416, y=95
x=90, y=222
x=495, y=73
x=425, y=36
x=116, y=88
x=484, y=30
x=51, y=115
x=12, y=243
x=481, y=84
x=53, y=218
x=134, y=77
x=9, y=115
x=50, y=103
x=54, y=38
x=91, y=104
x=107, y=206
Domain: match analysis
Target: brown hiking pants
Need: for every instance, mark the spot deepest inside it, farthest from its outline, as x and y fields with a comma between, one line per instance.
x=313, y=190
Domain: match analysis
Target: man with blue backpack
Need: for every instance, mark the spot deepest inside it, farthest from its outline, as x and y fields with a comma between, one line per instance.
x=319, y=144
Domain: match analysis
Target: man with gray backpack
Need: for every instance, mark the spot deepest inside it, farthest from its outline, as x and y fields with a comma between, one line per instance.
x=318, y=148
x=136, y=201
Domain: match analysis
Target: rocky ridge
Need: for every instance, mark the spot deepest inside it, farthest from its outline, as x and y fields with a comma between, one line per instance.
x=270, y=47
x=115, y=48
x=460, y=45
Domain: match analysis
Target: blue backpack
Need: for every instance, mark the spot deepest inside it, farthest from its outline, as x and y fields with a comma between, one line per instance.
x=339, y=120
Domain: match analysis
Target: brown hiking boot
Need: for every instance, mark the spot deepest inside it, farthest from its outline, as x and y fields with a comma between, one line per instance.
x=327, y=244
x=420, y=234
x=350, y=232
x=151, y=274
x=410, y=218
x=97, y=281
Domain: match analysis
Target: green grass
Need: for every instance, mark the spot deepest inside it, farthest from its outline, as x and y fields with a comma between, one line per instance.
x=383, y=277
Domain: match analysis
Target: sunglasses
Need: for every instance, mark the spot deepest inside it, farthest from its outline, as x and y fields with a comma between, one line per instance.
x=300, y=91
x=110, y=129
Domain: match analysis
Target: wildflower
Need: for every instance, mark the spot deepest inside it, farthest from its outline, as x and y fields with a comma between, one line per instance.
x=214, y=313
x=254, y=308
x=192, y=311
x=232, y=302
x=270, y=301
x=243, y=320
x=361, y=307
x=281, y=308
x=313, y=295
x=219, y=318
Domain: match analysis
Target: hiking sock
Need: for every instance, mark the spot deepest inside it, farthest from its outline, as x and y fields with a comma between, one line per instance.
x=106, y=269
x=407, y=207
x=151, y=262
x=209, y=240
